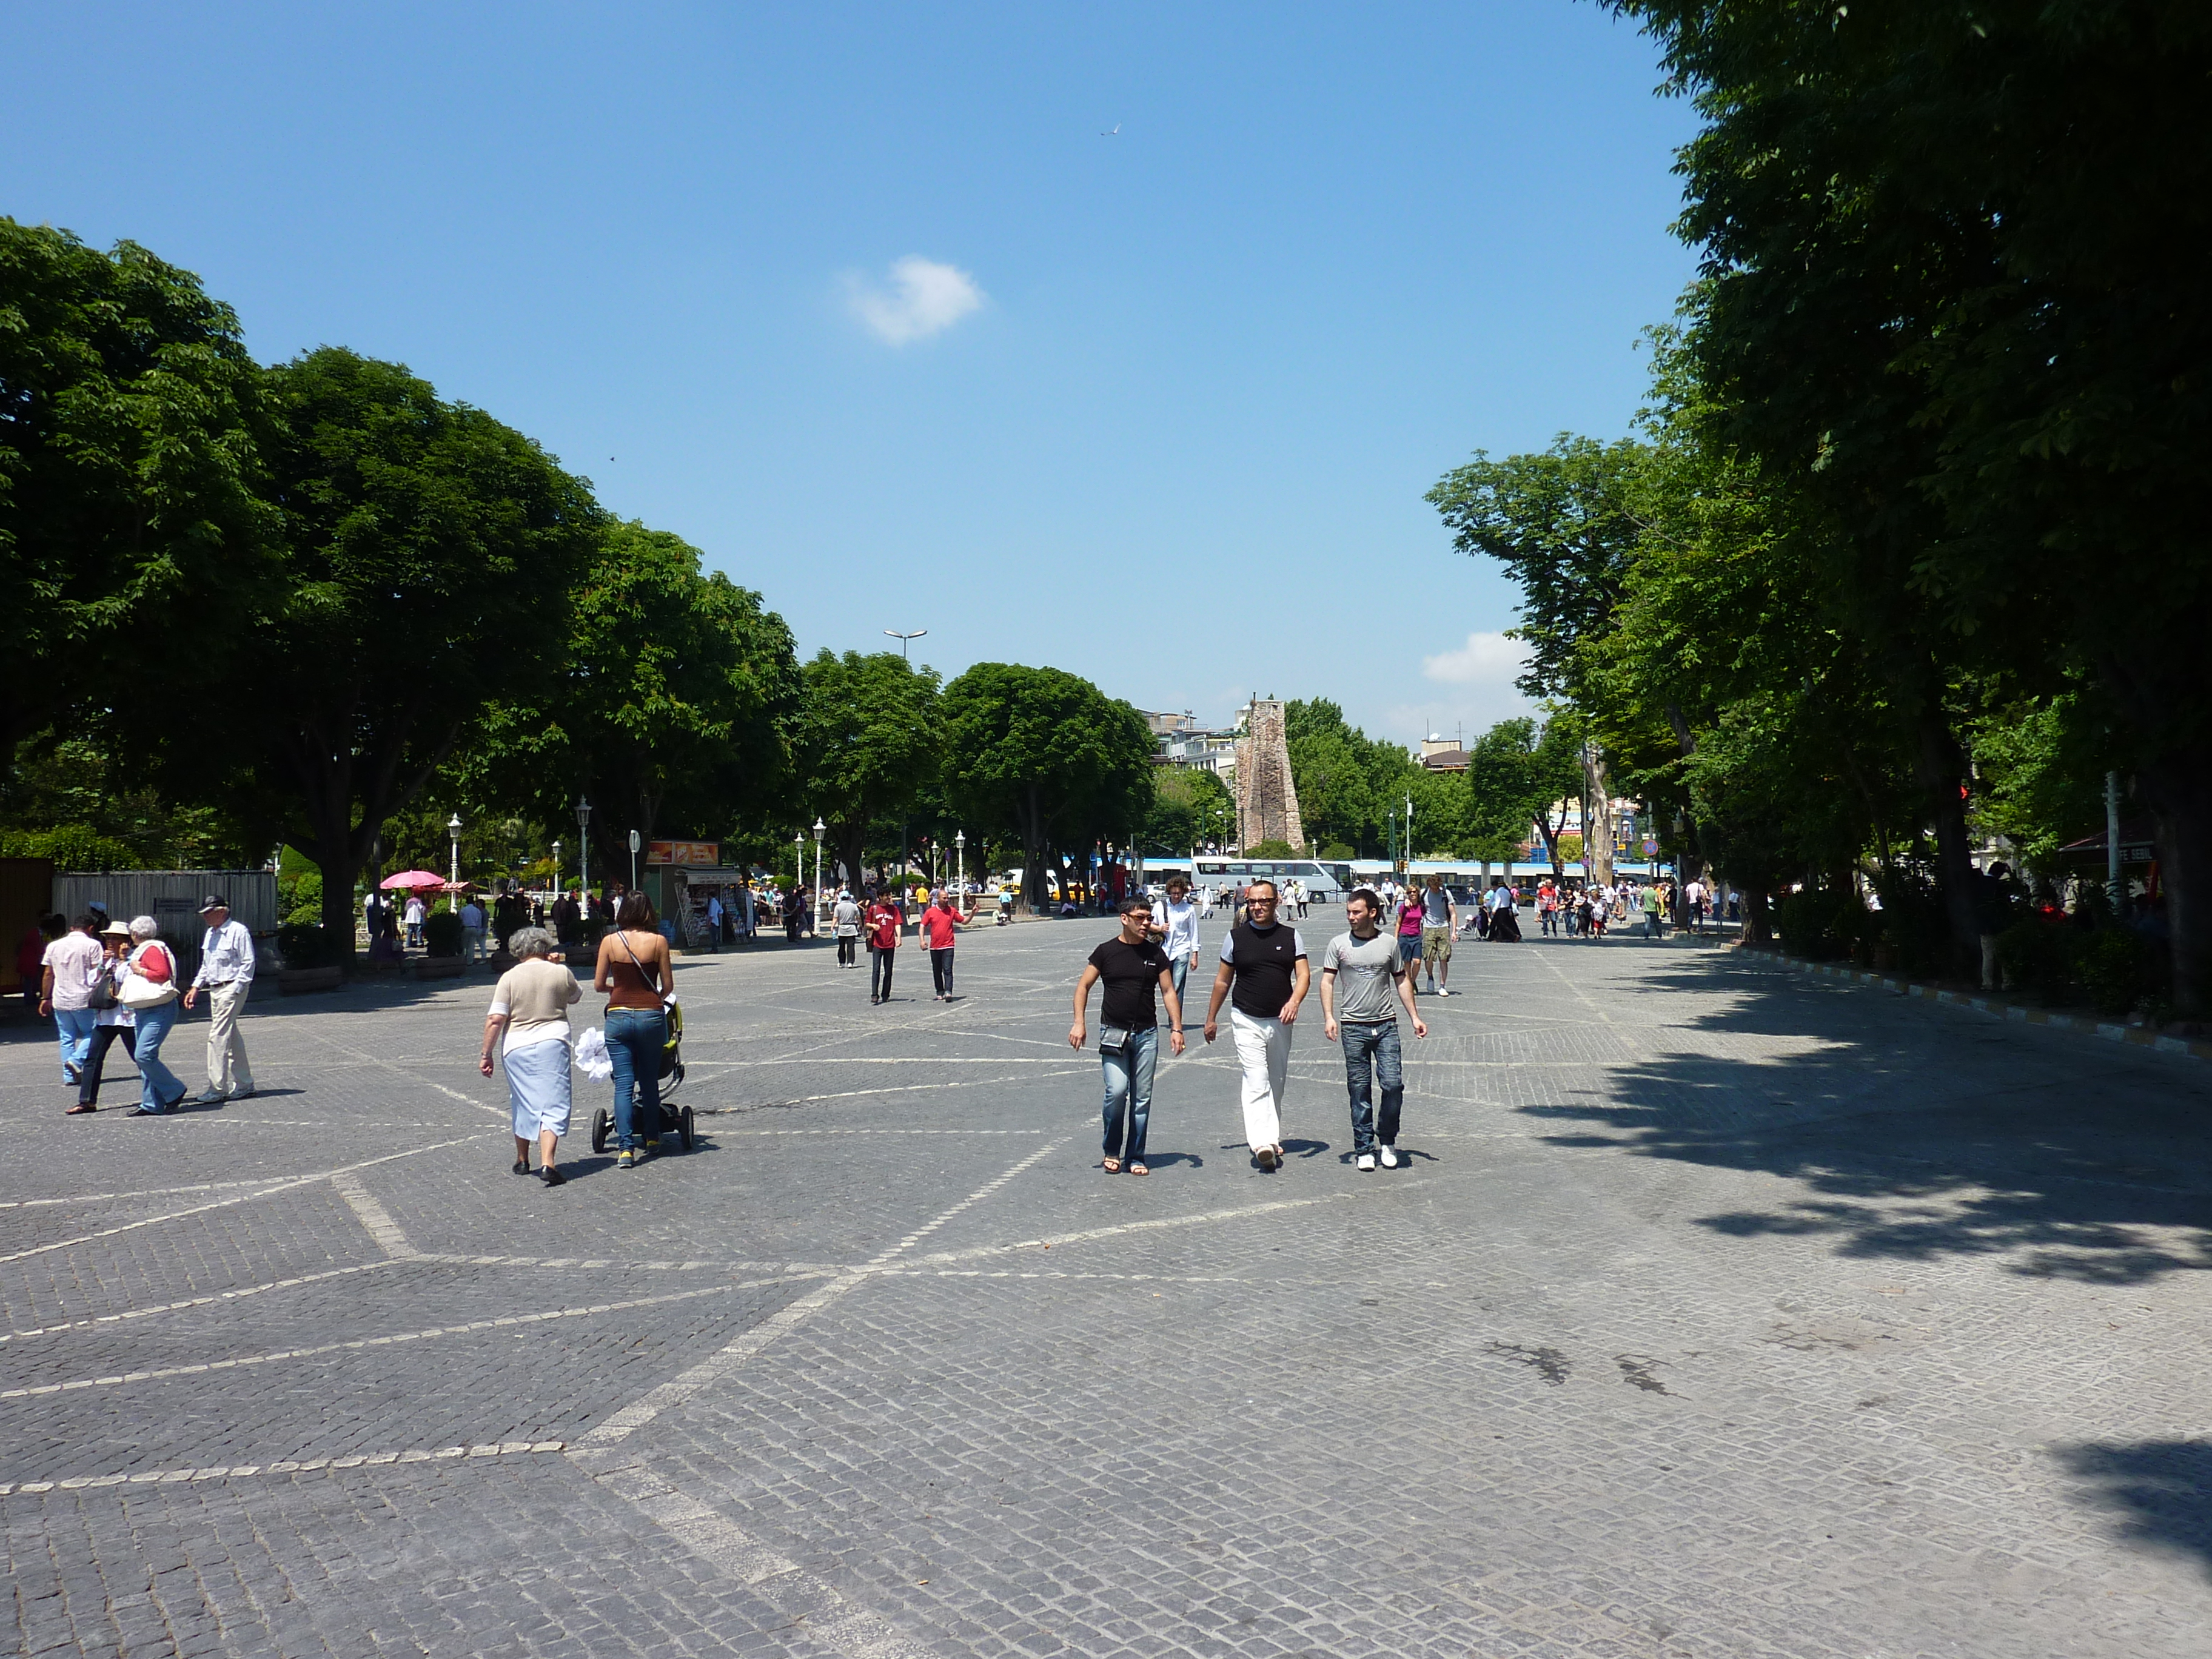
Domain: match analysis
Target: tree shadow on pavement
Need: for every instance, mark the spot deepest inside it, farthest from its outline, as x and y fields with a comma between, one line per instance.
x=1916, y=1132
x=2160, y=1490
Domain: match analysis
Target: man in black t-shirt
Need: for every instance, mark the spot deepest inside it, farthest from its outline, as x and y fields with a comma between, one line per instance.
x=1132, y=966
x=1265, y=964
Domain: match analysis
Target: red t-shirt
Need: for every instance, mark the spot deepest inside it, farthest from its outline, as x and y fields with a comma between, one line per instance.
x=883, y=927
x=938, y=925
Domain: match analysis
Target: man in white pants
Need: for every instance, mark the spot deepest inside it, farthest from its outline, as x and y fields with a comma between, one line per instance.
x=1264, y=964
x=227, y=975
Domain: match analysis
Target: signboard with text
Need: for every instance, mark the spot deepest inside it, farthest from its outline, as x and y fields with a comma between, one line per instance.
x=683, y=852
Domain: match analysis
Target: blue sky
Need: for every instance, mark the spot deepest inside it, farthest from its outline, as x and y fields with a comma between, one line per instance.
x=861, y=300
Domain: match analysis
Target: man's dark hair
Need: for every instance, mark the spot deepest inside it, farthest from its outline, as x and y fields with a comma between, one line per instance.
x=1178, y=880
x=1137, y=903
x=1374, y=900
x=87, y=922
x=1274, y=891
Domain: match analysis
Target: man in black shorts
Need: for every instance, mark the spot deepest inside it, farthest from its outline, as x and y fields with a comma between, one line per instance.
x=1129, y=1038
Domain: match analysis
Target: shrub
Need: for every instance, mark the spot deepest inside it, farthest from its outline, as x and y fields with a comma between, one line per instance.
x=304, y=945
x=71, y=847
x=441, y=934
x=2036, y=955
x=304, y=899
x=1821, y=922
x=2115, y=969
x=1270, y=849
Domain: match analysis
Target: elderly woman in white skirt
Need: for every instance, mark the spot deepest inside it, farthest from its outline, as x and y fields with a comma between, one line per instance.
x=530, y=1005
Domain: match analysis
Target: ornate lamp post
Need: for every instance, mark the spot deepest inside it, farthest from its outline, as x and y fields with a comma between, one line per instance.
x=960, y=859
x=798, y=861
x=454, y=828
x=583, y=844
x=556, y=869
x=818, y=828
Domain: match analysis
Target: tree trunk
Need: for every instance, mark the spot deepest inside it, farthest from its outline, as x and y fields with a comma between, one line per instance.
x=1756, y=929
x=1597, y=848
x=1940, y=767
x=2177, y=787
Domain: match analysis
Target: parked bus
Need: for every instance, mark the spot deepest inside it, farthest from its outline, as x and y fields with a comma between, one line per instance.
x=1322, y=882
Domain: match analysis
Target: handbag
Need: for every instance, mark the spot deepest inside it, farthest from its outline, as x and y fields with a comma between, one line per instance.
x=101, y=995
x=143, y=989
x=1113, y=1039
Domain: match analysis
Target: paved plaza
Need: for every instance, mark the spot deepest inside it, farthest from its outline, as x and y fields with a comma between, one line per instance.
x=1718, y=1312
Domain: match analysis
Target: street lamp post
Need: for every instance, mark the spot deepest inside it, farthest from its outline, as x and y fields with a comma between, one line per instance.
x=905, y=640
x=454, y=828
x=635, y=839
x=818, y=827
x=556, y=869
x=584, y=847
x=798, y=861
x=960, y=857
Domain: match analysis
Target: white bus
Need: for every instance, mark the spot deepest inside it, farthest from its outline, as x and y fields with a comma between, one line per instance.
x=1325, y=884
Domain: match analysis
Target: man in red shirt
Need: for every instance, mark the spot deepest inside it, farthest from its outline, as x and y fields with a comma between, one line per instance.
x=882, y=924
x=937, y=925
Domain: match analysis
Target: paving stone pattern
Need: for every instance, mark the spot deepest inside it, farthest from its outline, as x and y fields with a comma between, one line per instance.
x=1718, y=1312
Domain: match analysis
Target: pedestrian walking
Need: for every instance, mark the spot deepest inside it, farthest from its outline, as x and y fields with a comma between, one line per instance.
x=472, y=932
x=417, y=913
x=714, y=923
x=150, y=990
x=936, y=924
x=1409, y=920
x=528, y=1021
x=1264, y=964
x=633, y=972
x=845, y=919
x=111, y=1018
x=881, y=923
x=67, y=970
x=227, y=975
x=1649, y=902
x=1439, y=926
x=1363, y=981
x=1505, y=914
x=1175, y=930
x=1132, y=966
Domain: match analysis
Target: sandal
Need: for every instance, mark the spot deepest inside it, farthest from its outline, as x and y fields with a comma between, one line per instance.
x=1111, y=1165
x=1136, y=1167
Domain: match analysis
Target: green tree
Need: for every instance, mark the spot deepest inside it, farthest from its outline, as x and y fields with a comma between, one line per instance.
x=1046, y=756
x=1521, y=774
x=428, y=556
x=1191, y=808
x=130, y=484
x=867, y=743
x=669, y=704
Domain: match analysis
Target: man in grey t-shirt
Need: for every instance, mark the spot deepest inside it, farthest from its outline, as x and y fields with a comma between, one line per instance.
x=1363, y=982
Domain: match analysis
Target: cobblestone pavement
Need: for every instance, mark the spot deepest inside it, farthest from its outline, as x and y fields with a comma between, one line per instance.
x=1715, y=1313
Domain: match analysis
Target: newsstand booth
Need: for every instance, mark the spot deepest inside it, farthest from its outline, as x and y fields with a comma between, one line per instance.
x=690, y=886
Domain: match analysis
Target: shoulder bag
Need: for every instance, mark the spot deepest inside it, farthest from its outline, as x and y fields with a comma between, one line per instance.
x=151, y=982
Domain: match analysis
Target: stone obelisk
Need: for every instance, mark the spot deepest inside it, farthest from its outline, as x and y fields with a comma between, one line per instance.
x=1267, y=799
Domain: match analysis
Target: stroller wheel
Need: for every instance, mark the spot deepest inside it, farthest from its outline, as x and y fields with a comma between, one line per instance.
x=600, y=1124
x=683, y=1126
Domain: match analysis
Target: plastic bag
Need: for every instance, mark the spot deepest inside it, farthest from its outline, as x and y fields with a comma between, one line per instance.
x=591, y=1057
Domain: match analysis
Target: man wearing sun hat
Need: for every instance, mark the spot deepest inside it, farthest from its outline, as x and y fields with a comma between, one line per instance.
x=227, y=974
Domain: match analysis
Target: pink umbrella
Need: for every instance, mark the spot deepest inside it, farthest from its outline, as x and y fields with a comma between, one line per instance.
x=413, y=879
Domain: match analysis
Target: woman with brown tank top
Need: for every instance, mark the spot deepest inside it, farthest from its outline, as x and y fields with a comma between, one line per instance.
x=634, y=970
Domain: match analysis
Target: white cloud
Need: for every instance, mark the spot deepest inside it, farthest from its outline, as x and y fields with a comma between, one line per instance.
x=1485, y=659
x=921, y=298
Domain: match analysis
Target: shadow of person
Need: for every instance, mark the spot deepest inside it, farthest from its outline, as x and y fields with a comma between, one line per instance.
x=1304, y=1148
x=1157, y=1160
x=2160, y=1491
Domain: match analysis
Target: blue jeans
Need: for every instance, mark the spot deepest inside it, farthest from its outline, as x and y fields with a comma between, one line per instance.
x=160, y=1089
x=1129, y=1093
x=1371, y=1058
x=635, y=1039
x=1178, y=971
x=74, y=1026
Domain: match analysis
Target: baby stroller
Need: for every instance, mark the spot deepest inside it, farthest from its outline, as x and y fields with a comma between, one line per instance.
x=673, y=1119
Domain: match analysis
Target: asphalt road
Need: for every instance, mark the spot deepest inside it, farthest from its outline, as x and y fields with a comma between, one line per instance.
x=1715, y=1313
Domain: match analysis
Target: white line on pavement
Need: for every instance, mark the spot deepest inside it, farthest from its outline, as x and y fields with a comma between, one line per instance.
x=1154, y=1225
x=373, y=1217
x=281, y=1467
x=115, y=1379
x=243, y=1197
x=198, y=1301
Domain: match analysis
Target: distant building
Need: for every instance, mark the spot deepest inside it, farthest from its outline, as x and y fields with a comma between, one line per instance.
x=1182, y=742
x=1442, y=754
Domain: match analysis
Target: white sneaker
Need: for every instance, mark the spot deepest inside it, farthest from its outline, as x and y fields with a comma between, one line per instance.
x=1366, y=1163
x=1444, y=990
x=1267, y=1157
x=1389, y=1157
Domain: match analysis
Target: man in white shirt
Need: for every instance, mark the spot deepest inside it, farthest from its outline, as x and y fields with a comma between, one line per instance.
x=65, y=991
x=227, y=975
x=715, y=922
x=1175, y=930
x=415, y=914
